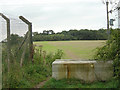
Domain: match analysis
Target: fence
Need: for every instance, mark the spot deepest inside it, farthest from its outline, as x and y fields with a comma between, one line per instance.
x=16, y=40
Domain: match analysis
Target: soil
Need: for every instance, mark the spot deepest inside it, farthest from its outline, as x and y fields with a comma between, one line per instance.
x=41, y=84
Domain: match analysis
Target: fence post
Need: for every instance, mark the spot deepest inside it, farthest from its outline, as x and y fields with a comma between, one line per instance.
x=8, y=39
x=30, y=36
x=31, y=42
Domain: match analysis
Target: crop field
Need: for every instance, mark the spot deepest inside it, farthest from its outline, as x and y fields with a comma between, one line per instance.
x=82, y=49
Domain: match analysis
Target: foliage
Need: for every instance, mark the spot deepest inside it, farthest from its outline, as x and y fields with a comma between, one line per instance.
x=30, y=74
x=111, y=51
x=15, y=42
x=82, y=34
x=15, y=39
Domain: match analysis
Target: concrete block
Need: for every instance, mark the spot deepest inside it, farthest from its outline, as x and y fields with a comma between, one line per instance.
x=103, y=70
x=86, y=70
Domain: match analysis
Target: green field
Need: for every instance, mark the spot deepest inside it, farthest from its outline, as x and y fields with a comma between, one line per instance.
x=83, y=49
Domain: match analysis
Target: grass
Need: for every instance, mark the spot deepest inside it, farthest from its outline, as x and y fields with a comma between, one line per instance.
x=75, y=50
x=74, y=83
x=30, y=74
x=82, y=49
x=26, y=77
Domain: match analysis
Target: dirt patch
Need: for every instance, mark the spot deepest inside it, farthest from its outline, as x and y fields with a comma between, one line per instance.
x=42, y=83
x=71, y=54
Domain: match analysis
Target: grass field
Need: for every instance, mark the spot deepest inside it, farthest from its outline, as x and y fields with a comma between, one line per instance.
x=83, y=49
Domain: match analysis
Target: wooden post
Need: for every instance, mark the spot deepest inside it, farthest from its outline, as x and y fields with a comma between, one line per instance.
x=23, y=54
x=8, y=39
x=30, y=35
x=31, y=42
x=44, y=56
x=108, y=31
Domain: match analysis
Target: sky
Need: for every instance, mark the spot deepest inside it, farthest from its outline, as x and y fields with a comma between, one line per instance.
x=57, y=15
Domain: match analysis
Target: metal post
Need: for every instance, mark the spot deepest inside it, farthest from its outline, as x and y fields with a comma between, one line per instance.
x=8, y=39
x=30, y=35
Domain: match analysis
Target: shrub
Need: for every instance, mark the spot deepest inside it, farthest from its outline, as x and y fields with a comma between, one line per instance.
x=111, y=51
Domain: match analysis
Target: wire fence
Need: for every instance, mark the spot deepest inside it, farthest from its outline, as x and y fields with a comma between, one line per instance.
x=16, y=39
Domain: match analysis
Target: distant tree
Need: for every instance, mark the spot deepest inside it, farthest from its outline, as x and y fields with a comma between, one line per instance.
x=51, y=32
x=35, y=33
x=45, y=32
x=72, y=34
x=15, y=39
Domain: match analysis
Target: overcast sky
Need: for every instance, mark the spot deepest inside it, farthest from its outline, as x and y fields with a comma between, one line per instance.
x=58, y=15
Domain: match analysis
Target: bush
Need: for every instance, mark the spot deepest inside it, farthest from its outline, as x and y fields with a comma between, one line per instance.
x=111, y=51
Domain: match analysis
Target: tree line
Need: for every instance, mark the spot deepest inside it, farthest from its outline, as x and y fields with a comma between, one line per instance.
x=73, y=34
x=50, y=35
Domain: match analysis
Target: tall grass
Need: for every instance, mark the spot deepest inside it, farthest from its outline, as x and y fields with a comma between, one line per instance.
x=30, y=74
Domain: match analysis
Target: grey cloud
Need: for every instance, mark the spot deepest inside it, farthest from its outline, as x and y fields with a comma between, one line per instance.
x=78, y=14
